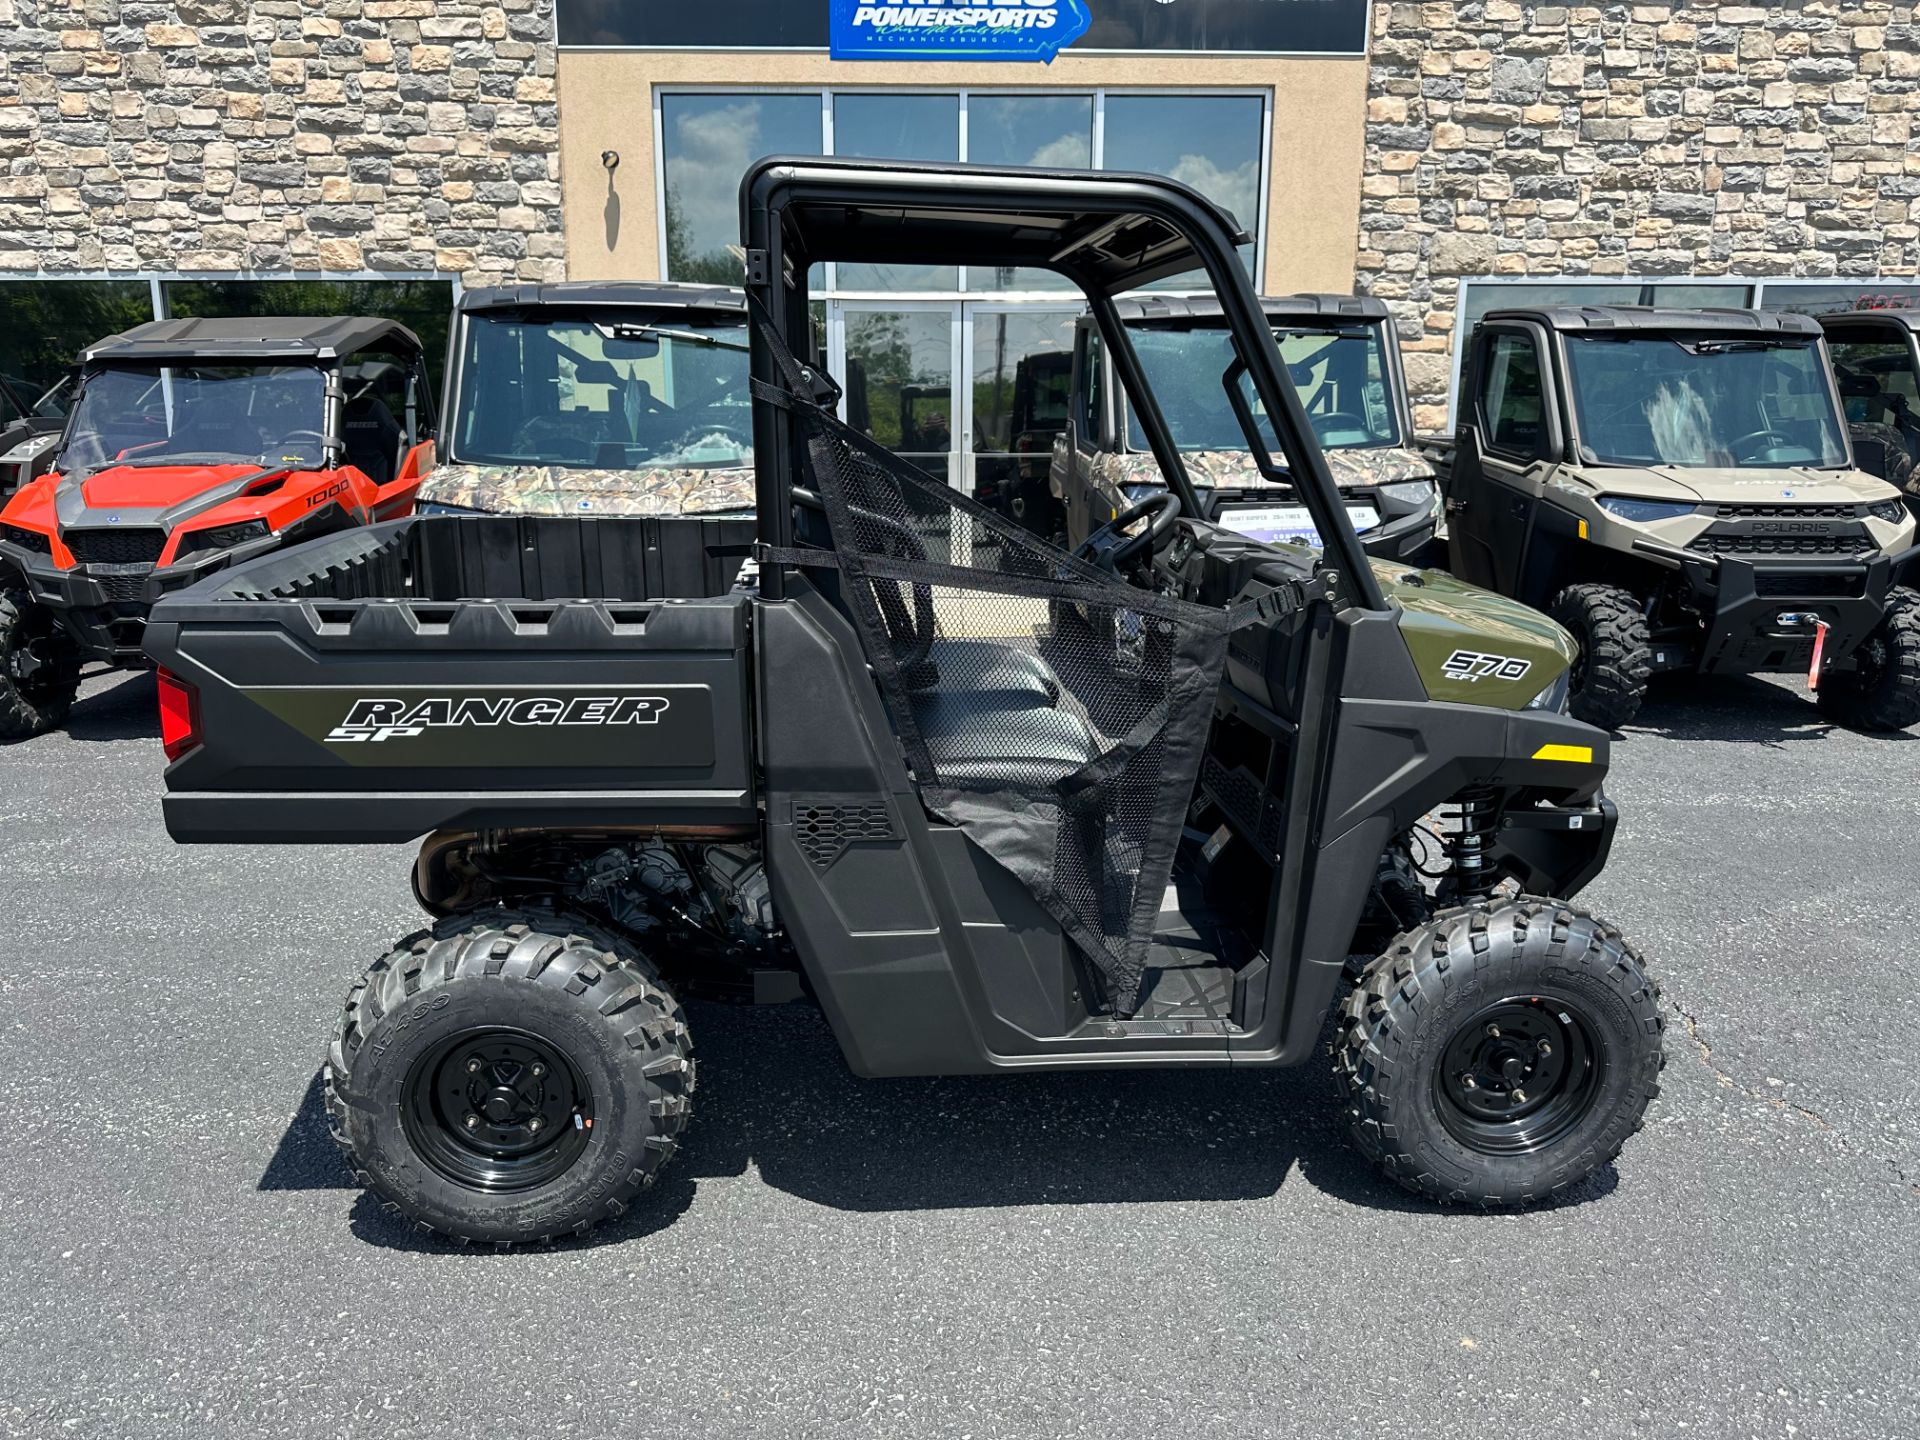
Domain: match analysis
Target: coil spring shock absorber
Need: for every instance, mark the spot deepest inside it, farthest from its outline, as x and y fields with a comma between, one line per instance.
x=1473, y=877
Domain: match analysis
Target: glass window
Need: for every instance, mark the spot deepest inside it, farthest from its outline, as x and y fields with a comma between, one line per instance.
x=45, y=324
x=1212, y=142
x=423, y=306
x=1339, y=372
x=1837, y=299
x=1667, y=400
x=1512, y=405
x=1877, y=381
x=608, y=392
x=708, y=141
x=899, y=381
x=169, y=414
x=897, y=127
x=1049, y=131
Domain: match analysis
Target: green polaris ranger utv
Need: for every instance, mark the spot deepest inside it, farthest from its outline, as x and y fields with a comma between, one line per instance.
x=881, y=773
x=1675, y=487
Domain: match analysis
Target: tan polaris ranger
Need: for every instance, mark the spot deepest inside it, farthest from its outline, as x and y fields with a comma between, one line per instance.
x=589, y=398
x=1340, y=355
x=1675, y=487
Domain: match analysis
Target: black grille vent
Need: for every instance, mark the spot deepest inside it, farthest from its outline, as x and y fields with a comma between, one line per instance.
x=1786, y=512
x=1711, y=544
x=825, y=828
x=1817, y=585
x=122, y=588
x=134, y=545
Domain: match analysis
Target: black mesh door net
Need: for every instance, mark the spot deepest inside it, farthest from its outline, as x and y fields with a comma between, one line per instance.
x=1050, y=709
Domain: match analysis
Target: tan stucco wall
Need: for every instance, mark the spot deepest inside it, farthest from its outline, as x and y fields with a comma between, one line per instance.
x=1313, y=197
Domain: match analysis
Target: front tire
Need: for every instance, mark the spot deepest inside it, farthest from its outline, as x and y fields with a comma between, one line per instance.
x=1499, y=1055
x=1882, y=690
x=507, y=1077
x=39, y=668
x=1616, y=653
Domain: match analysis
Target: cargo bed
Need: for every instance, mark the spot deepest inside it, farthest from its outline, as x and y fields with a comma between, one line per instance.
x=468, y=672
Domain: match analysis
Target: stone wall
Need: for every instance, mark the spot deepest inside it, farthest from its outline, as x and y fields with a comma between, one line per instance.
x=1693, y=139
x=302, y=135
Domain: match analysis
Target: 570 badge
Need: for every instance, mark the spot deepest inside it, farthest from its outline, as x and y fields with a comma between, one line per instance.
x=1474, y=665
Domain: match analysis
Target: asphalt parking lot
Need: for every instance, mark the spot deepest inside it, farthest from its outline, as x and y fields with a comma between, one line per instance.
x=1196, y=1254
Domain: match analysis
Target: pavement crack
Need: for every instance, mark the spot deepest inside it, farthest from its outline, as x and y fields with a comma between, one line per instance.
x=1728, y=1081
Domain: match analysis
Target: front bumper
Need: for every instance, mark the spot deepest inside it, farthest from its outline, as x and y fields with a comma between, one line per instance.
x=1762, y=616
x=104, y=608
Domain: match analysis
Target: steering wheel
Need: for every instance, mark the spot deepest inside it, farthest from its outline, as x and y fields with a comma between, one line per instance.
x=1110, y=550
x=1763, y=439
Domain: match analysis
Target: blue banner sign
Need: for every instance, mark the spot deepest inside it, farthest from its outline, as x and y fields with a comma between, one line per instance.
x=956, y=29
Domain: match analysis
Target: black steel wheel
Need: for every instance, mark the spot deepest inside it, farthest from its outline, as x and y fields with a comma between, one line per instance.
x=1519, y=1076
x=506, y=1077
x=497, y=1110
x=1501, y=1053
x=39, y=668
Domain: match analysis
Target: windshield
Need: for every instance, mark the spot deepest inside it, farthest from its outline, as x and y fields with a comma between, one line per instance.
x=608, y=392
x=1700, y=401
x=1338, y=372
x=196, y=414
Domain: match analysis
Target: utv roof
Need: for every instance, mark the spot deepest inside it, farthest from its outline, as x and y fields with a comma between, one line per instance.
x=1596, y=319
x=1107, y=230
x=1905, y=319
x=1306, y=307
x=604, y=294
x=299, y=337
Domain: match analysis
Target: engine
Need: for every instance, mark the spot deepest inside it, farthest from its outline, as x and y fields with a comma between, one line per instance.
x=718, y=890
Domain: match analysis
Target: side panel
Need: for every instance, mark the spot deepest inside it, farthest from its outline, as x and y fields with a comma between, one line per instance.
x=383, y=724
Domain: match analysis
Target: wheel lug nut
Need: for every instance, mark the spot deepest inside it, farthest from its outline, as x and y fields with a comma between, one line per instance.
x=473, y=1067
x=1545, y=1048
x=1493, y=1032
x=1467, y=1082
x=538, y=1071
x=473, y=1122
x=1519, y=1097
x=535, y=1124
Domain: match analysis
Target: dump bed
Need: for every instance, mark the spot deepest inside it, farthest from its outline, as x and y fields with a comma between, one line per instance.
x=469, y=672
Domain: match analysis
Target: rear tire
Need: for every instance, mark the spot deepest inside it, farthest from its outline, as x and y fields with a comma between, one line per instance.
x=1616, y=653
x=39, y=668
x=506, y=1077
x=1882, y=690
x=1499, y=1055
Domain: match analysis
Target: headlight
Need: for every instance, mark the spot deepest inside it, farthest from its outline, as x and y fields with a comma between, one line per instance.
x=1410, y=492
x=1891, y=511
x=225, y=537
x=1642, y=511
x=440, y=507
x=1554, y=697
x=34, y=540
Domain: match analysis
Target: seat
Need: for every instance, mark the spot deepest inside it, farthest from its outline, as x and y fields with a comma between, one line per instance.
x=987, y=667
x=372, y=439
x=976, y=737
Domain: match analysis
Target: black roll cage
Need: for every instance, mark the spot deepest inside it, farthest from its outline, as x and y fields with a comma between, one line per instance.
x=1107, y=232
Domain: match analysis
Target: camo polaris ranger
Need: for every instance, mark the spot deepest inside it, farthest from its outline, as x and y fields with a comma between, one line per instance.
x=886, y=776
x=1675, y=487
x=588, y=398
x=1876, y=364
x=1341, y=356
x=193, y=444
